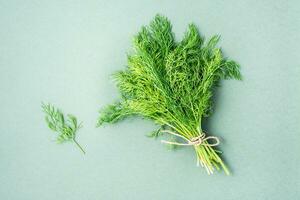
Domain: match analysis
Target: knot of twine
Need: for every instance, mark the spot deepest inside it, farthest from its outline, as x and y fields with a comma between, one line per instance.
x=195, y=141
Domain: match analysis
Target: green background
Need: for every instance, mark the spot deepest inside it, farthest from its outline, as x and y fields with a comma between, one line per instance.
x=63, y=52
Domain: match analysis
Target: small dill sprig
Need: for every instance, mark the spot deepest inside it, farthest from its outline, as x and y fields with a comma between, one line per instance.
x=65, y=128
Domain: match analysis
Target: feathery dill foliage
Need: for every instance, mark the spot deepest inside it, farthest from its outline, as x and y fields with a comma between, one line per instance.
x=66, y=129
x=172, y=83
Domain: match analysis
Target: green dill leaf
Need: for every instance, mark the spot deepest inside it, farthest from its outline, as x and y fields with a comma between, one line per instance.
x=114, y=113
x=155, y=134
x=231, y=70
x=66, y=129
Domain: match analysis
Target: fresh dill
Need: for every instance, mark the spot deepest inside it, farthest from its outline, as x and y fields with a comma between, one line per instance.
x=66, y=129
x=172, y=83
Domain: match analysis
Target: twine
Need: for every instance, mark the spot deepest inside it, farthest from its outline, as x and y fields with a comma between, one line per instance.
x=195, y=141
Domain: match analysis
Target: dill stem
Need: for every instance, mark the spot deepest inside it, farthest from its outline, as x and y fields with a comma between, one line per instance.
x=78, y=145
x=210, y=159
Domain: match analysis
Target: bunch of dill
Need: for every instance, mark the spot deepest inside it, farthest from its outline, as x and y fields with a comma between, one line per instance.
x=172, y=83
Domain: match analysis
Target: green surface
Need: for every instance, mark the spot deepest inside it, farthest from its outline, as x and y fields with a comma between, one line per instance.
x=64, y=51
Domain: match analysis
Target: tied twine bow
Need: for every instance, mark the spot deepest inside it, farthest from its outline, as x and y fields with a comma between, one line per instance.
x=195, y=141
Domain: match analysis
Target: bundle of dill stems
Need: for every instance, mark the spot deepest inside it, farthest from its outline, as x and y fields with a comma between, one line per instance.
x=172, y=83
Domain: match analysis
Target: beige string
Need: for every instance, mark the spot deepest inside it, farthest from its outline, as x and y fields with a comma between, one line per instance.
x=196, y=141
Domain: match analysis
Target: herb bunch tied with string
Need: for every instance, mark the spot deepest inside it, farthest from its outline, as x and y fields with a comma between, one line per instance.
x=172, y=83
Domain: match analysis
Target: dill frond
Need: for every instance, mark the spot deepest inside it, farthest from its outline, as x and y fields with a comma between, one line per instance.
x=66, y=129
x=172, y=83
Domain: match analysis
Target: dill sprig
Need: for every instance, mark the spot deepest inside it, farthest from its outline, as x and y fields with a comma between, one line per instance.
x=172, y=83
x=65, y=128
